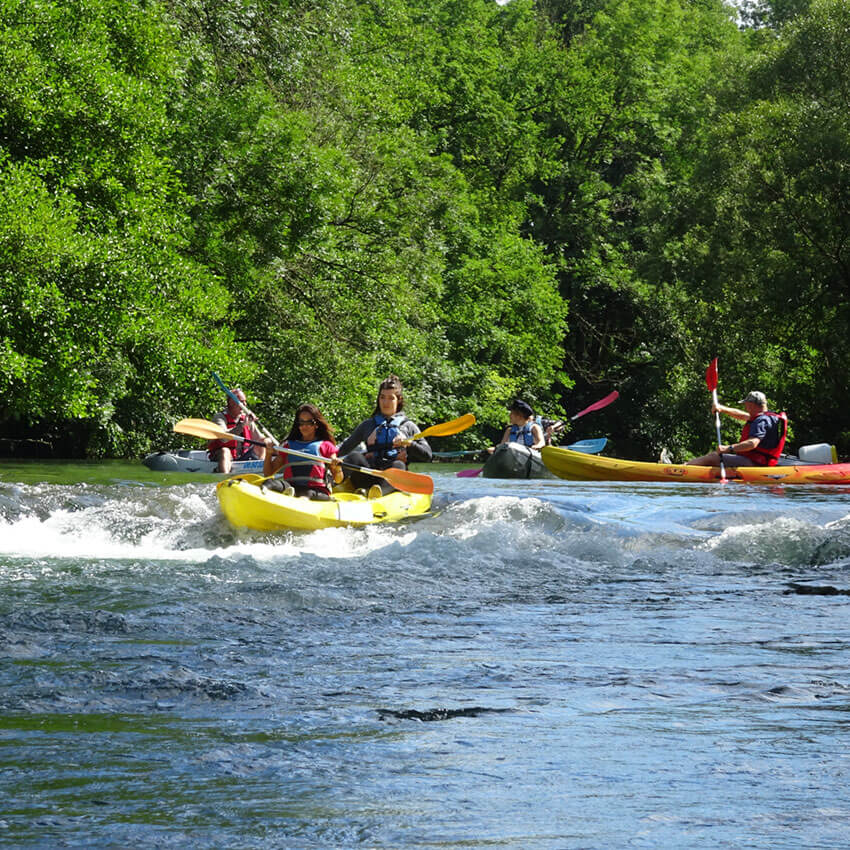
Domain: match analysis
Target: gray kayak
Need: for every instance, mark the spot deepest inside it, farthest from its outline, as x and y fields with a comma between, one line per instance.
x=513, y=460
x=195, y=460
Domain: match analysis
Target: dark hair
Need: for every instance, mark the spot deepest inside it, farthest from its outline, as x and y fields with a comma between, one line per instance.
x=390, y=383
x=323, y=429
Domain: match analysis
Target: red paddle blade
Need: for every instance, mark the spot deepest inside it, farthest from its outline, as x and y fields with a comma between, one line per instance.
x=711, y=375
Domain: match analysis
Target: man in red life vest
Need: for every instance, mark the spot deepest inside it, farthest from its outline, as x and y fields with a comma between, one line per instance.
x=762, y=437
x=235, y=420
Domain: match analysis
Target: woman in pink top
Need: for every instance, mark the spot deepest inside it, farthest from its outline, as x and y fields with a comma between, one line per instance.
x=312, y=434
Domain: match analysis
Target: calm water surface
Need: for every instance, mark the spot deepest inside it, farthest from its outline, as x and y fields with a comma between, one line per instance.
x=534, y=665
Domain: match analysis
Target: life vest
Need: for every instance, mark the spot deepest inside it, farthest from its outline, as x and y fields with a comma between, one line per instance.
x=302, y=473
x=522, y=435
x=237, y=449
x=761, y=456
x=386, y=430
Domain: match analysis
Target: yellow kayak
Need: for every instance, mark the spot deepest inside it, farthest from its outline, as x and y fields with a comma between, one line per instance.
x=247, y=504
x=576, y=466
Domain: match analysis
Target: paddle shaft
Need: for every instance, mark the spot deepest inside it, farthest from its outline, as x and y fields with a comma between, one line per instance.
x=243, y=407
x=719, y=438
x=401, y=479
x=711, y=383
x=379, y=473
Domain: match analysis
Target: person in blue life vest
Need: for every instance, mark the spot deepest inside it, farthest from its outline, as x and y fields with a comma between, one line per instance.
x=241, y=424
x=523, y=428
x=384, y=435
x=310, y=433
x=762, y=437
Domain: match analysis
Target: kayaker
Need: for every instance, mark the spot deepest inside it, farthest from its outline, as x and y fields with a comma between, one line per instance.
x=523, y=429
x=310, y=433
x=383, y=434
x=762, y=437
x=550, y=428
x=235, y=420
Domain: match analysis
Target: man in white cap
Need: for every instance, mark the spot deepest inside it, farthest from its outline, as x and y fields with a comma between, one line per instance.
x=762, y=437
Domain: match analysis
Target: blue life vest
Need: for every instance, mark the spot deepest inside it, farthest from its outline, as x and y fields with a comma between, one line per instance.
x=522, y=435
x=386, y=430
x=302, y=472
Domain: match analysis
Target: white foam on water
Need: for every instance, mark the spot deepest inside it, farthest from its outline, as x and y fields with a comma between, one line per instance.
x=784, y=540
x=132, y=531
x=465, y=520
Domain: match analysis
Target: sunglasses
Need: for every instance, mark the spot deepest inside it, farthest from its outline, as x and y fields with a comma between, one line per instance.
x=307, y=422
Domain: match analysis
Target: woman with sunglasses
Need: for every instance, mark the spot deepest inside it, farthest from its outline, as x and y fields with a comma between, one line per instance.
x=312, y=434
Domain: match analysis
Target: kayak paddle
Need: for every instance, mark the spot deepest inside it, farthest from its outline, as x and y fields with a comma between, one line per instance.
x=401, y=479
x=245, y=410
x=711, y=383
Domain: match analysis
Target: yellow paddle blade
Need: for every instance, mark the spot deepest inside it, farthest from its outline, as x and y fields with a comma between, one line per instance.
x=202, y=428
x=444, y=429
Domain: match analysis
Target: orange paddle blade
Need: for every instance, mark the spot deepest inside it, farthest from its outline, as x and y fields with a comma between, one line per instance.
x=404, y=479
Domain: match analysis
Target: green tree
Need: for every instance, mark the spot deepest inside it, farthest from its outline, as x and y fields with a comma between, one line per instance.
x=104, y=320
x=636, y=89
x=766, y=233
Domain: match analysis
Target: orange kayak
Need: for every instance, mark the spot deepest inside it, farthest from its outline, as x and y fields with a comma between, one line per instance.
x=575, y=466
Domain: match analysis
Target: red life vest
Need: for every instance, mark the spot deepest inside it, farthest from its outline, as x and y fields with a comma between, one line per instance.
x=301, y=473
x=236, y=448
x=766, y=457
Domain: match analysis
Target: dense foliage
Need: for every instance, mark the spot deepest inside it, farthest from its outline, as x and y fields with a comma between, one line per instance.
x=549, y=198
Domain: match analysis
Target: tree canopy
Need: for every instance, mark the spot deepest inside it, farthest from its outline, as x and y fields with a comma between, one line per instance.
x=546, y=199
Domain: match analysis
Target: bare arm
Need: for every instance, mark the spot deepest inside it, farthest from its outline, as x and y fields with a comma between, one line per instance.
x=734, y=412
x=272, y=461
x=539, y=440
x=421, y=450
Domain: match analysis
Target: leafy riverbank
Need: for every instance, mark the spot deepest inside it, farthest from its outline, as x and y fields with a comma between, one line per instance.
x=548, y=199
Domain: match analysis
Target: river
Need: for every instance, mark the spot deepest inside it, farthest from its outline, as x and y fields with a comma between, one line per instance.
x=541, y=664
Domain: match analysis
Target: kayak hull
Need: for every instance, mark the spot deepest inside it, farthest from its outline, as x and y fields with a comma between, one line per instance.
x=513, y=460
x=575, y=466
x=247, y=504
x=195, y=461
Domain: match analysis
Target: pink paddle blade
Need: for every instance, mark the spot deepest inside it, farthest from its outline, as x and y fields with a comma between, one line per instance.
x=598, y=405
